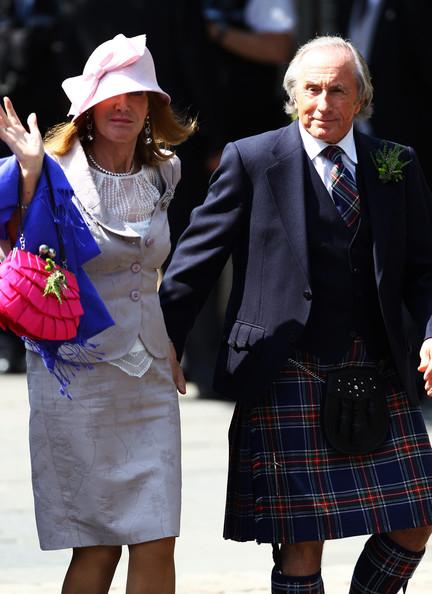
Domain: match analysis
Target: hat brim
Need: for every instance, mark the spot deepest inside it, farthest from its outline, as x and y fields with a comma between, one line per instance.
x=139, y=76
x=117, y=83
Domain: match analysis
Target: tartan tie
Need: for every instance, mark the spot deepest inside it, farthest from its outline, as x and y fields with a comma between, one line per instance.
x=343, y=188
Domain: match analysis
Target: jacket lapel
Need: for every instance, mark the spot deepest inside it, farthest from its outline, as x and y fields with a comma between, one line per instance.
x=380, y=199
x=286, y=180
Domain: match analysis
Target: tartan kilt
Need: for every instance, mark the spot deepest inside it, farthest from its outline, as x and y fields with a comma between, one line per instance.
x=286, y=484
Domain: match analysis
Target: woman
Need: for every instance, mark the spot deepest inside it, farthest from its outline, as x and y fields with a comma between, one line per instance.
x=106, y=464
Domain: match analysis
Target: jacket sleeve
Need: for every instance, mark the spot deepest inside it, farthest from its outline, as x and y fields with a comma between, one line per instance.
x=205, y=246
x=418, y=275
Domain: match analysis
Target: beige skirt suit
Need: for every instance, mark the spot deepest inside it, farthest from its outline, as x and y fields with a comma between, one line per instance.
x=106, y=464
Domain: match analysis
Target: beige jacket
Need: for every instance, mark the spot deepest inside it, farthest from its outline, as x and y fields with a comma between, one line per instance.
x=125, y=274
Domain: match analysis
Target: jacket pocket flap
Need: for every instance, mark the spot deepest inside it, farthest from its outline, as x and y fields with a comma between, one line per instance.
x=245, y=337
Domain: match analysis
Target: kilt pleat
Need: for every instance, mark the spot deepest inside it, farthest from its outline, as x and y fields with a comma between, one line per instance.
x=286, y=484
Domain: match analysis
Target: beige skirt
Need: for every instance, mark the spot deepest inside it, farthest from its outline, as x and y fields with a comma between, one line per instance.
x=106, y=464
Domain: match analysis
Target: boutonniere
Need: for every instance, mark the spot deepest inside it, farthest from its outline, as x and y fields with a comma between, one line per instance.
x=388, y=163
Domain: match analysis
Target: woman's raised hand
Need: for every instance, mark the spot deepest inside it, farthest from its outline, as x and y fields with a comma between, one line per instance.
x=27, y=145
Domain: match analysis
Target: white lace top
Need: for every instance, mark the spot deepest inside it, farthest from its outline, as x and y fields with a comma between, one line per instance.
x=132, y=199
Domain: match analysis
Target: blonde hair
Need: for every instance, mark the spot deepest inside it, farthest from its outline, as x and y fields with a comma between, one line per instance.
x=167, y=130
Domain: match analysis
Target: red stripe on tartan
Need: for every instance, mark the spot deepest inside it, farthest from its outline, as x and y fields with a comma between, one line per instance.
x=349, y=222
x=331, y=506
x=307, y=415
x=268, y=418
x=396, y=405
x=328, y=456
x=345, y=185
x=319, y=459
x=344, y=179
x=392, y=449
x=407, y=569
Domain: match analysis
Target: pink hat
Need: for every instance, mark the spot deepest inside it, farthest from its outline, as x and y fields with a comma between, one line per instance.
x=120, y=65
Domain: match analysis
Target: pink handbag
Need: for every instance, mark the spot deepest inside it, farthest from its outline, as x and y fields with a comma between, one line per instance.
x=38, y=298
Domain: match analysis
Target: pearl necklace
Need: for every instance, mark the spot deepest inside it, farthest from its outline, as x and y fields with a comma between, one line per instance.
x=113, y=173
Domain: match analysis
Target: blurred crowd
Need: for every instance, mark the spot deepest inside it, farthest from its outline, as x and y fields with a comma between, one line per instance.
x=222, y=61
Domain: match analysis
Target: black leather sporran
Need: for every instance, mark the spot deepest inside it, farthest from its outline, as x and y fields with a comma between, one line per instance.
x=355, y=413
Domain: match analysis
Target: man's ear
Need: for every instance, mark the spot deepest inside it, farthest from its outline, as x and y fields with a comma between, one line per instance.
x=358, y=107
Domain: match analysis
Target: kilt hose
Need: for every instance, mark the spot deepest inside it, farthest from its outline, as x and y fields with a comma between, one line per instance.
x=286, y=484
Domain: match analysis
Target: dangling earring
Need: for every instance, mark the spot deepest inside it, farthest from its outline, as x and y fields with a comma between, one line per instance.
x=147, y=131
x=89, y=127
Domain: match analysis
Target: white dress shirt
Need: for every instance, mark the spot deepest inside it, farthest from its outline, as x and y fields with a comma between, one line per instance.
x=323, y=166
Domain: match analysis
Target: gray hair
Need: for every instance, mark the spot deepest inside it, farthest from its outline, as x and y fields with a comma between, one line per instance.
x=364, y=84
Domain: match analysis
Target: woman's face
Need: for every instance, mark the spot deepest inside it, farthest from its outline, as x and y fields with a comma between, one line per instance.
x=121, y=118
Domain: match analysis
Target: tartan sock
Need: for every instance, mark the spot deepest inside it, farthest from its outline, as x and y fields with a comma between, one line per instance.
x=287, y=584
x=383, y=567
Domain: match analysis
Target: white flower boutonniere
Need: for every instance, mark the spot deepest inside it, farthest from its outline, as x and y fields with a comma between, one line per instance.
x=388, y=164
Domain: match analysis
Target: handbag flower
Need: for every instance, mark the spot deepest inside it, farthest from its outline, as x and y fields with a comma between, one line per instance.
x=388, y=163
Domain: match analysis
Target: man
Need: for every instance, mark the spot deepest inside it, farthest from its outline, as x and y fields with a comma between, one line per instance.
x=329, y=230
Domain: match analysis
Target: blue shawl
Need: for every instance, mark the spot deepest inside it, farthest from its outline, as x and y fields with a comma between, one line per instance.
x=79, y=245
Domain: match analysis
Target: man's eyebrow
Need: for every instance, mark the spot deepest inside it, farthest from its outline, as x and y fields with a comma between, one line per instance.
x=332, y=86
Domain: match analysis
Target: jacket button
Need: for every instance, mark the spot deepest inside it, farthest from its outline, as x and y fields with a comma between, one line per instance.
x=307, y=295
x=149, y=242
x=135, y=267
x=135, y=295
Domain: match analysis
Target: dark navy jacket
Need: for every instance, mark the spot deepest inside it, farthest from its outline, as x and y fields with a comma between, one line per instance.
x=256, y=212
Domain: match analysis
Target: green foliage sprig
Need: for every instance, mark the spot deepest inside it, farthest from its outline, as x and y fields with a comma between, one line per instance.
x=55, y=284
x=388, y=163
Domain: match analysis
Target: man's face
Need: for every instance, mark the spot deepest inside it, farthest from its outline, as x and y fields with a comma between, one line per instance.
x=327, y=94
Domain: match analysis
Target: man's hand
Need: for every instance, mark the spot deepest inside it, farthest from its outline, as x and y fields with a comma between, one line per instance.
x=176, y=370
x=426, y=365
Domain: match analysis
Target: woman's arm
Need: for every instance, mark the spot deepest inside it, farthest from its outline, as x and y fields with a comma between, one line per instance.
x=27, y=146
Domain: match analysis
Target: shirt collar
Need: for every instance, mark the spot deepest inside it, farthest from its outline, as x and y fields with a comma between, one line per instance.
x=313, y=146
